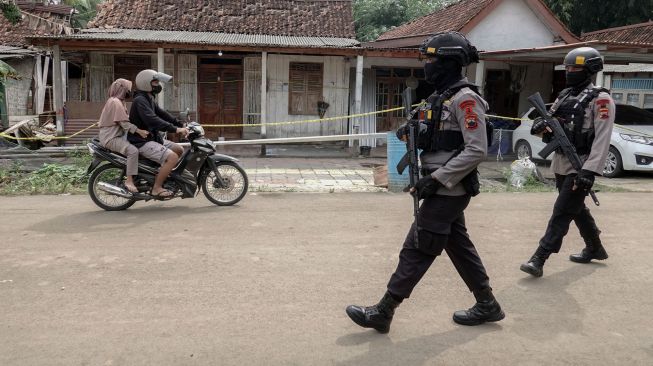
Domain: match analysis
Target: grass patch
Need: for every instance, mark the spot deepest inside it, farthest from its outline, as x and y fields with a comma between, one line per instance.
x=52, y=178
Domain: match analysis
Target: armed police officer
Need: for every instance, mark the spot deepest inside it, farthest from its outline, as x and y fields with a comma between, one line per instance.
x=586, y=113
x=454, y=142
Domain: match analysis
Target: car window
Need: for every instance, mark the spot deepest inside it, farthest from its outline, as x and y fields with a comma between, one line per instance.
x=633, y=116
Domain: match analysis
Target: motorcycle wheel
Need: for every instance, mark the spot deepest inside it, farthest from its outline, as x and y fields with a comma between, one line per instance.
x=236, y=180
x=110, y=174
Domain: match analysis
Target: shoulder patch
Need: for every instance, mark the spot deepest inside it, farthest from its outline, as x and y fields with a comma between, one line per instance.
x=471, y=118
x=604, y=110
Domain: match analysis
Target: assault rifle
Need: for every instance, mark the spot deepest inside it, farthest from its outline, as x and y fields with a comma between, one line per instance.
x=560, y=140
x=410, y=159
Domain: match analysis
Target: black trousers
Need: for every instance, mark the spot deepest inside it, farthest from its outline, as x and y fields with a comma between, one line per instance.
x=441, y=227
x=569, y=206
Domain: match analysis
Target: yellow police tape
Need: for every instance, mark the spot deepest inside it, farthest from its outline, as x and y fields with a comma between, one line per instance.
x=48, y=138
x=316, y=120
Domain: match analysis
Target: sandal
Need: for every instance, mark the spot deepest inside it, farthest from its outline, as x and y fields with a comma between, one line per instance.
x=162, y=195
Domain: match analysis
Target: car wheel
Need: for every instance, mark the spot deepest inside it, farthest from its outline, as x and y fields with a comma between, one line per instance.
x=613, y=164
x=523, y=149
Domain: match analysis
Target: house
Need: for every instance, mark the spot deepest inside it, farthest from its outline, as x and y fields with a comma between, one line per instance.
x=632, y=83
x=32, y=93
x=493, y=25
x=252, y=62
x=521, y=42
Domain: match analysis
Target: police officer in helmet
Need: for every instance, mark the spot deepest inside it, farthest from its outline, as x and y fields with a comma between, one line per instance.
x=453, y=140
x=586, y=113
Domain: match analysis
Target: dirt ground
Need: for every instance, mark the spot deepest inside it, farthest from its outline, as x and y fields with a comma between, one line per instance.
x=266, y=283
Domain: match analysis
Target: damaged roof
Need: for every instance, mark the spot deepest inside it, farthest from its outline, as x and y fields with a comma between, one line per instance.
x=38, y=20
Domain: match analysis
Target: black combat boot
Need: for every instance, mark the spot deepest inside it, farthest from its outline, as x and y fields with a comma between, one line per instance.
x=486, y=309
x=535, y=265
x=377, y=316
x=593, y=250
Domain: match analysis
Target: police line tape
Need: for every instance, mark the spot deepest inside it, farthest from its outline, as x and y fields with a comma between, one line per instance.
x=316, y=120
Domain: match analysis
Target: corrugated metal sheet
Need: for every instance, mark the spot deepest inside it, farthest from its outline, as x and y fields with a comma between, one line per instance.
x=209, y=38
x=628, y=68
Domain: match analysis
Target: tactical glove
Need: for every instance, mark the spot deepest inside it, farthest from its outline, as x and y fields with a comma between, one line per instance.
x=539, y=126
x=426, y=187
x=585, y=180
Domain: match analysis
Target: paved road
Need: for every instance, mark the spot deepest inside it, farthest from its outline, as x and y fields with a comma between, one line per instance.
x=266, y=283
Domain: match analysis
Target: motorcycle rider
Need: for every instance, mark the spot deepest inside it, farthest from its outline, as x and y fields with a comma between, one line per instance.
x=147, y=115
x=114, y=124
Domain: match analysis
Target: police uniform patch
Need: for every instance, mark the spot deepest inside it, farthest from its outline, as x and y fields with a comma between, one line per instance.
x=471, y=118
x=604, y=111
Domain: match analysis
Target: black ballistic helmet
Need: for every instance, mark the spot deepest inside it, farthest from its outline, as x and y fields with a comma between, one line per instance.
x=587, y=57
x=452, y=45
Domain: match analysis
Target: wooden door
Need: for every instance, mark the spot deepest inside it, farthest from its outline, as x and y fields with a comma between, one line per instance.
x=389, y=95
x=497, y=93
x=221, y=99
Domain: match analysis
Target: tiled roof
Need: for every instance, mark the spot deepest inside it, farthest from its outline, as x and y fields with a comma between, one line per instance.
x=450, y=18
x=34, y=23
x=641, y=33
x=305, y=18
x=210, y=38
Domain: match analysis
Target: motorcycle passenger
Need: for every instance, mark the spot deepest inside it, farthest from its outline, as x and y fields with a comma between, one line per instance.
x=114, y=124
x=146, y=114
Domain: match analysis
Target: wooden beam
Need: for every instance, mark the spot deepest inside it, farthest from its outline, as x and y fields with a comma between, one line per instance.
x=112, y=45
x=57, y=87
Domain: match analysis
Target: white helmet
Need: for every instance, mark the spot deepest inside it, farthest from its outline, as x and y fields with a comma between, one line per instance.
x=144, y=79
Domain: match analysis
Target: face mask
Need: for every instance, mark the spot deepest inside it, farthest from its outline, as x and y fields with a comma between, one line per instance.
x=433, y=71
x=128, y=94
x=576, y=78
x=442, y=73
x=156, y=89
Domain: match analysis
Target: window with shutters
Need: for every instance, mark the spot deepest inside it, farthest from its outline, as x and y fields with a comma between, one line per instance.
x=305, y=88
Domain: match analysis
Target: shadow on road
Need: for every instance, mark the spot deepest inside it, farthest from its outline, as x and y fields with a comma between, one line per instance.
x=100, y=220
x=543, y=307
x=414, y=351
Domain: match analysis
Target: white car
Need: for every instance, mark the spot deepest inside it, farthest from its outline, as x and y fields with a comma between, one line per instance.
x=631, y=144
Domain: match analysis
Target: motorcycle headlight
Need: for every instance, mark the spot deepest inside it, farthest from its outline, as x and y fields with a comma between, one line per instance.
x=638, y=139
x=199, y=129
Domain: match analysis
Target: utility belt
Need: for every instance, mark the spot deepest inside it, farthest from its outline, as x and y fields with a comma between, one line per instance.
x=471, y=182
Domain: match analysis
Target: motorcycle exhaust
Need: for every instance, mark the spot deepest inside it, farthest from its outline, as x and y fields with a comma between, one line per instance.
x=110, y=188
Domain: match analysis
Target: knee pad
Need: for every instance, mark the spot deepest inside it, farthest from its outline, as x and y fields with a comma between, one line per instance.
x=431, y=243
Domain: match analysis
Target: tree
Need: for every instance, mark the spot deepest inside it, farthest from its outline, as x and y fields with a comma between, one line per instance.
x=373, y=17
x=583, y=16
x=86, y=11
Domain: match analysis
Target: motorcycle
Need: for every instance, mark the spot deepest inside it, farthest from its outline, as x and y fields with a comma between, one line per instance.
x=223, y=181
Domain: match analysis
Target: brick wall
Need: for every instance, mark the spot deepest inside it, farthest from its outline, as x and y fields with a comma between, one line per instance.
x=18, y=90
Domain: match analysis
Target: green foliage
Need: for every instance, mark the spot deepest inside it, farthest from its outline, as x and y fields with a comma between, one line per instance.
x=373, y=17
x=11, y=12
x=86, y=11
x=590, y=15
x=49, y=179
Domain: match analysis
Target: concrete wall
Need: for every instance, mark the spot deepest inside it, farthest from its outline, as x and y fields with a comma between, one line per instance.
x=18, y=90
x=511, y=25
